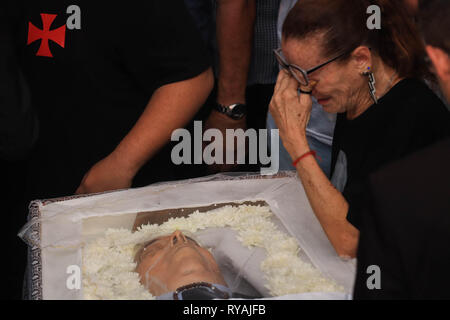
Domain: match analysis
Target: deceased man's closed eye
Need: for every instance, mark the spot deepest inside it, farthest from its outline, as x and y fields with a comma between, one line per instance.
x=177, y=267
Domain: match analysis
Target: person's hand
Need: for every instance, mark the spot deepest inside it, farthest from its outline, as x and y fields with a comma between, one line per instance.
x=222, y=122
x=107, y=174
x=291, y=111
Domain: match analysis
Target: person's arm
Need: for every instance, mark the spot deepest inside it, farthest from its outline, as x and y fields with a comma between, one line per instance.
x=170, y=107
x=235, y=27
x=291, y=113
x=327, y=202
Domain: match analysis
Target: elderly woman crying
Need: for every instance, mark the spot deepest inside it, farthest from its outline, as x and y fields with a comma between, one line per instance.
x=374, y=81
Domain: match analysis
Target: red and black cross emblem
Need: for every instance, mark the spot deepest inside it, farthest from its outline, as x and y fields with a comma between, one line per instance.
x=56, y=35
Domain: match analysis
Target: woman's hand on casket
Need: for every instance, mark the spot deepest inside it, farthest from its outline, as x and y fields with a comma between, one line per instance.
x=291, y=112
x=107, y=174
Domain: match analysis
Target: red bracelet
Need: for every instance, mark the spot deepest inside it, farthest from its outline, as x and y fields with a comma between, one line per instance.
x=310, y=153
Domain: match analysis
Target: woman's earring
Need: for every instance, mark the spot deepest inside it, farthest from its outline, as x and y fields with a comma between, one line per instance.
x=372, y=89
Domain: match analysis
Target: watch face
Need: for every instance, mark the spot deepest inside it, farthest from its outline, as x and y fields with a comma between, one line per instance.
x=235, y=111
x=238, y=111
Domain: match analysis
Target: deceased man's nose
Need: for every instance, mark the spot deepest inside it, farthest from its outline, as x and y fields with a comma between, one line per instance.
x=177, y=236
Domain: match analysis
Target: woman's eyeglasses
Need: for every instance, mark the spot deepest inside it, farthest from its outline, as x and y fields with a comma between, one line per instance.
x=298, y=73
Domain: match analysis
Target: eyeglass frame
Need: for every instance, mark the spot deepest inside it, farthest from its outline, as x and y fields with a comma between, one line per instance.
x=141, y=251
x=285, y=65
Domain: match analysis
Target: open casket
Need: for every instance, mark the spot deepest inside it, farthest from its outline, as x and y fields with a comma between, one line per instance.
x=58, y=231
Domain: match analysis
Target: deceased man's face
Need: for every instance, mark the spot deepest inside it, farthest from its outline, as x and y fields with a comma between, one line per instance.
x=167, y=263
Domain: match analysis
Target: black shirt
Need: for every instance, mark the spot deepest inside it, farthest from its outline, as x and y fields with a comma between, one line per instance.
x=405, y=228
x=18, y=123
x=409, y=117
x=103, y=70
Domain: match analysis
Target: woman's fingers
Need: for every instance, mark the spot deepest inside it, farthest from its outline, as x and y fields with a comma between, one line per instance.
x=287, y=101
x=286, y=91
x=286, y=88
x=288, y=85
x=281, y=77
x=307, y=89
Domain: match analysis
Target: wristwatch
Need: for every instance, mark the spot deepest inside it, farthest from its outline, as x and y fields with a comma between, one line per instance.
x=235, y=111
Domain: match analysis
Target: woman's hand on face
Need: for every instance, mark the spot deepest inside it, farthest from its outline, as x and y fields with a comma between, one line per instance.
x=291, y=111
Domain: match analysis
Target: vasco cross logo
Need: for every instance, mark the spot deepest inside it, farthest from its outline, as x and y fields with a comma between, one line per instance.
x=57, y=35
